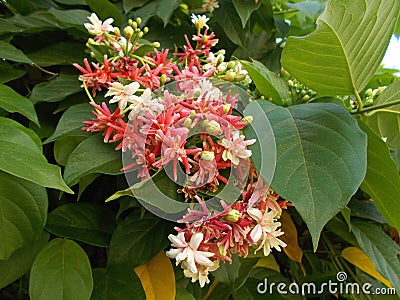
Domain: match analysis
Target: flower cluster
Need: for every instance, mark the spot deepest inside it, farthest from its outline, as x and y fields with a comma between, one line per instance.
x=194, y=130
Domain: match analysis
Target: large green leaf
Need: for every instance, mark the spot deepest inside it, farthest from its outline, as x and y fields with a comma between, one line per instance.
x=23, y=212
x=21, y=261
x=380, y=249
x=116, y=283
x=245, y=8
x=86, y=222
x=321, y=156
x=230, y=22
x=23, y=7
x=386, y=121
x=104, y=9
x=61, y=271
x=342, y=54
x=135, y=242
x=64, y=147
x=131, y=4
x=92, y=156
x=8, y=51
x=71, y=122
x=268, y=83
x=71, y=16
x=11, y=101
x=22, y=157
x=55, y=90
x=382, y=180
x=8, y=72
x=56, y=54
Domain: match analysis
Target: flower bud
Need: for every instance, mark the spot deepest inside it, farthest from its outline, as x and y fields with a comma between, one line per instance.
x=230, y=77
x=231, y=65
x=306, y=98
x=163, y=79
x=156, y=44
x=145, y=30
x=248, y=119
x=368, y=93
x=117, y=32
x=128, y=32
x=138, y=21
x=187, y=123
x=233, y=215
x=140, y=34
x=213, y=127
x=221, y=250
x=290, y=83
x=207, y=155
x=227, y=108
x=240, y=77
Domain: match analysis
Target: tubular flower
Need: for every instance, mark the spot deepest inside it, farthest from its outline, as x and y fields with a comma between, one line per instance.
x=97, y=27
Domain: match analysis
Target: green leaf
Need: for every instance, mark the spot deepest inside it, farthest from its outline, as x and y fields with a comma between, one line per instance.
x=116, y=283
x=230, y=22
x=71, y=122
x=268, y=83
x=22, y=157
x=135, y=242
x=92, y=156
x=380, y=249
x=72, y=2
x=321, y=157
x=366, y=209
x=86, y=222
x=245, y=8
x=11, y=101
x=228, y=273
x=21, y=261
x=309, y=8
x=23, y=212
x=131, y=4
x=8, y=51
x=104, y=9
x=382, y=181
x=8, y=72
x=55, y=90
x=61, y=271
x=23, y=7
x=56, y=54
x=386, y=121
x=71, y=16
x=64, y=147
x=342, y=54
x=166, y=8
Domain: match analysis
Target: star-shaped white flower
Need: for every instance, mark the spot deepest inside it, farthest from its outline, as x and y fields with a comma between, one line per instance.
x=122, y=93
x=97, y=27
x=187, y=253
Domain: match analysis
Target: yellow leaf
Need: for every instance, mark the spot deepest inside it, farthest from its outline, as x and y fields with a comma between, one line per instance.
x=157, y=278
x=268, y=262
x=290, y=238
x=358, y=258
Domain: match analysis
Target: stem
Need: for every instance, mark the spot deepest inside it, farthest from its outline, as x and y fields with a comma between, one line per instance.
x=288, y=11
x=372, y=108
x=90, y=96
x=359, y=101
x=43, y=70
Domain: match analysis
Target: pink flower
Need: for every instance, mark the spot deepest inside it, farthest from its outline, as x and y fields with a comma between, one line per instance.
x=188, y=253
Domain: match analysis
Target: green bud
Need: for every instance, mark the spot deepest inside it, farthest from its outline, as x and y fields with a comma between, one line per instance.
x=134, y=25
x=138, y=21
x=140, y=34
x=233, y=215
x=290, y=83
x=163, y=79
x=117, y=31
x=306, y=98
x=248, y=119
x=207, y=155
x=156, y=44
x=187, y=123
x=240, y=77
x=231, y=65
x=230, y=77
x=145, y=30
x=368, y=93
x=369, y=102
x=226, y=108
x=221, y=250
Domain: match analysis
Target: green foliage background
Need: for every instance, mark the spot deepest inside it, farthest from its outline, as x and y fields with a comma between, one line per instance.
x=55, y=227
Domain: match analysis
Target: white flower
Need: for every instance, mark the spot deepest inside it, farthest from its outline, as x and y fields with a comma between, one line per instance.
x=202, y=274
x=123, y=45
x=265, y=233
x=210, y=5
x=143, y=103
x=97, y=27
x=200, y=21
x=188, y=253
x=235, y=148
x=122, y=93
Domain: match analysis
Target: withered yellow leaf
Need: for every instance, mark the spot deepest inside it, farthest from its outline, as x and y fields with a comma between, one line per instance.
x=157, y=278
x=290, y=238
x=359, y=259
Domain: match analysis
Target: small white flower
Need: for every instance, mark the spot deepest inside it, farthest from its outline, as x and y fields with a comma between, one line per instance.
x=265, y=233
x=200, y=21
x=122, y=45
x=122, y=93
x=201, y=275
x=143, y=103
x=210, y=5
x=187, y=253
x=97, y=27
x=235, y=148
